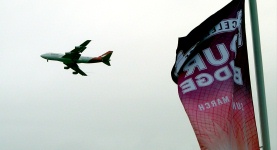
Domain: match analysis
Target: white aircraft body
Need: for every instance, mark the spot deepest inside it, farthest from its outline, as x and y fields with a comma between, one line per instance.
x=70, y=59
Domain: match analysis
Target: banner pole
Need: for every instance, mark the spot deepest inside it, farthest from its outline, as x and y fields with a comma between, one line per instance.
x=259, y=74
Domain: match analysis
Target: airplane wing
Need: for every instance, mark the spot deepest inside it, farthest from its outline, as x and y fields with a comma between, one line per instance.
x=75, y=53
x=81, y=48
x=76, y=68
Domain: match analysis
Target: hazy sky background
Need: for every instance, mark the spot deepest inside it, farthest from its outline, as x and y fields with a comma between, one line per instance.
x=132, y=105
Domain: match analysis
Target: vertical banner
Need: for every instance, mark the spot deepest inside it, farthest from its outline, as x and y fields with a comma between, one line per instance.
x=212, y=74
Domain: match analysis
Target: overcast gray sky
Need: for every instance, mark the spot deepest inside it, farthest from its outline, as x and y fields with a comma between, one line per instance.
x=133, y=104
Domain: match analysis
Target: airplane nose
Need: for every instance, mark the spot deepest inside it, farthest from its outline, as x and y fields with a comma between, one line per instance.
x=43, y=55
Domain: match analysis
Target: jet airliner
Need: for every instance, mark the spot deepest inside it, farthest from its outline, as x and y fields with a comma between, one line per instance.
x=70, y=59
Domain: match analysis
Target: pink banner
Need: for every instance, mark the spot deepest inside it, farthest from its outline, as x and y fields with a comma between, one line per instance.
x=214, y=85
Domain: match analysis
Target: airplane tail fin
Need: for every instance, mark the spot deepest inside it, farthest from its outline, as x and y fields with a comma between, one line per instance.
x=106, y=57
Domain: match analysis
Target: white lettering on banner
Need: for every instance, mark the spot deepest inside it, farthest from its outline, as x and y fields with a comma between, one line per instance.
x=227, y=25
x=181, y=58
x=206, y=79
x=237, y=106
x=195, y=62
x=233, y=46
x=222, y=51
x=188, y=85
x=223, y=74
x=218, y=102
x=237, y=73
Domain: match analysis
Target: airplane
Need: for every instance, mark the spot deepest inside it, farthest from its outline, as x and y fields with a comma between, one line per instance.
x=70, y=59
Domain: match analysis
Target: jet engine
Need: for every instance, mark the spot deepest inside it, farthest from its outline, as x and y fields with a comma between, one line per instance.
x=66, y=67
x=75, y=73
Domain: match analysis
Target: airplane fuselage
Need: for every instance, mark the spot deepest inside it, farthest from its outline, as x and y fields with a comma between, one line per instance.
x=60, y=57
